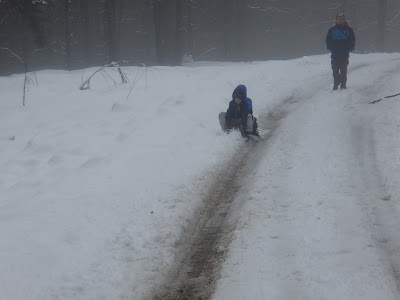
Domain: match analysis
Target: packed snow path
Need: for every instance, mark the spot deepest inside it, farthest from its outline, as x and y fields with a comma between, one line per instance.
x=332, y=227
x=330, y=233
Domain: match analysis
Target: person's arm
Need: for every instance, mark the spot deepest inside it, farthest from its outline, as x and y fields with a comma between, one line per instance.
x=329, y=40
x=228, y=115
x=352, y=39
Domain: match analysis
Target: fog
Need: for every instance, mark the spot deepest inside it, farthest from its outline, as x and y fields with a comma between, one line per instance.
x=73, y=34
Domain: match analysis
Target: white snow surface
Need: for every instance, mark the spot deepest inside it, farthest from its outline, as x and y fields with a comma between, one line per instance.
x=96, y=185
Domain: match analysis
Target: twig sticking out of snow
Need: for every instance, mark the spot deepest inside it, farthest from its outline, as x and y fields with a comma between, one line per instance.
x=86, y=84
x=391, y=96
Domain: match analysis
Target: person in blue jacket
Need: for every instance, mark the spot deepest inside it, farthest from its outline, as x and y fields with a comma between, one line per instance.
x=238, y=109
x=240, y=113
x=340, y=40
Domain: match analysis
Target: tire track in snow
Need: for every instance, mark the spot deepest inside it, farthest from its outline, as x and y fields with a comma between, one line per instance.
x=381, y=212
x=195, y=275
x=205, y=244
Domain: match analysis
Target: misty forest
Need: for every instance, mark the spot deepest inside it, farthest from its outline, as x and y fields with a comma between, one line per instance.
x=74, y=34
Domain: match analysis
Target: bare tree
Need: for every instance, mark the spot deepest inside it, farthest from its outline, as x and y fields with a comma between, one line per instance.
x=84, y=29
x=227, y=15
x=240, y=8
x=67, y=33
x=179, y=33
x=380, y=40
x=168, y=25
x=27, y=25
x=112, y=30
x=188, y=27
x=78, y=33
x=353, y=11
x=343, y=6
x=159, y=8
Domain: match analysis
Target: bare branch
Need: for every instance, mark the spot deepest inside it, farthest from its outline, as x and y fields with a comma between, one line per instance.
x=9, y=50
x=6, y=16
x=206, y=52
x=139, y=76
x=266, y=7
x=390, y=22
x=86, y=84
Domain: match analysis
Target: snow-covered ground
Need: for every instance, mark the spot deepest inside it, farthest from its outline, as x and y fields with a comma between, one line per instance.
x=96, y=185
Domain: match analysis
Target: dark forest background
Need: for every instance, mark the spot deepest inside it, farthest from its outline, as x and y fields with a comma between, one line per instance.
x=73, y=34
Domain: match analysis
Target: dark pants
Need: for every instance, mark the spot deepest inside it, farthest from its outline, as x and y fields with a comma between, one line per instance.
x=339, y=67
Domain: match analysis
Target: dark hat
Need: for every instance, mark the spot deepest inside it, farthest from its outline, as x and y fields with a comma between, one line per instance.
x=340, y=15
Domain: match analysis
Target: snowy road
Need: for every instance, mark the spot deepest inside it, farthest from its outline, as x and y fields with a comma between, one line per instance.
x=331, y=230
x=326, y=235
x=105, y=196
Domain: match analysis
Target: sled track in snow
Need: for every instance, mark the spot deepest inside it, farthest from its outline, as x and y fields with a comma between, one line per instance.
x=194, y=277
x=206, y=240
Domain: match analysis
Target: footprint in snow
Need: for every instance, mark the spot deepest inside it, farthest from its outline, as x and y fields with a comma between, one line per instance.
x=92, y=162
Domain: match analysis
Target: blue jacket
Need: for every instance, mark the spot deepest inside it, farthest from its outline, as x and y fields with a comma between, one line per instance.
x=340, y=40
x=241, y=93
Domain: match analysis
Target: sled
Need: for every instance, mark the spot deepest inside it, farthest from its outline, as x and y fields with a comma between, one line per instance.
x=236, y=125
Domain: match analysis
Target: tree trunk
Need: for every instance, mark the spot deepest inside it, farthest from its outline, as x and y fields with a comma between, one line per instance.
x=147, y=23
x=233, y=12
x=189, y=31
x=353, y=10
x=27, y=36
x=67, y=34
x=84, y=40
x=179, y=33
x=157, y=7
x=227, y=28
x=343, y=6
x=118, y=17
x=380, y=40
x=239, y=29
x=112, y=44
x=165, y=31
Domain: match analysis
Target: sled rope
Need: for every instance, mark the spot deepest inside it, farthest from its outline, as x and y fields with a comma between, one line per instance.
x=391, y=96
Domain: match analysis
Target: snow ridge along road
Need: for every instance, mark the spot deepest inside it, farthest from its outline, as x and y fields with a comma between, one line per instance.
x=376, y=202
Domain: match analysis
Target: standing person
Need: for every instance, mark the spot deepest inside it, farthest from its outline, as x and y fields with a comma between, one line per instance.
x=340, y=40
